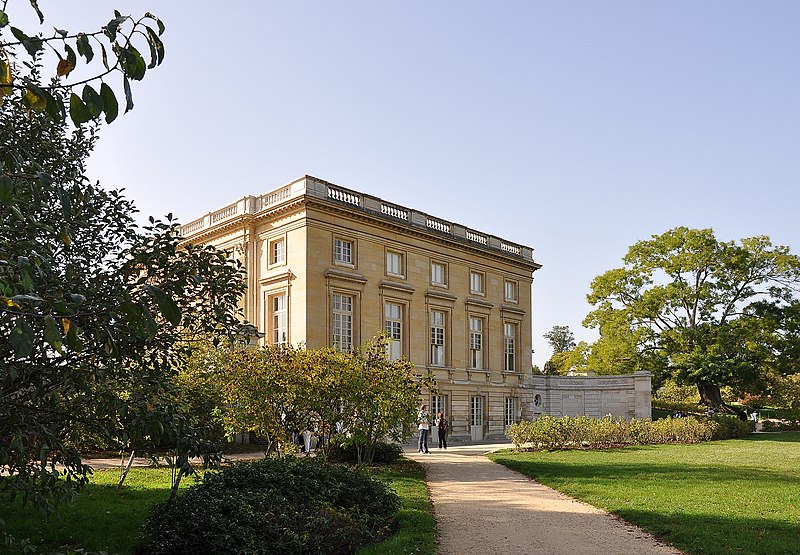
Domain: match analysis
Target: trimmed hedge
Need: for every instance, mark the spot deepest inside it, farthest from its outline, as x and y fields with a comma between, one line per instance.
x=275, y=506
x=385, y=453
x=582, y=432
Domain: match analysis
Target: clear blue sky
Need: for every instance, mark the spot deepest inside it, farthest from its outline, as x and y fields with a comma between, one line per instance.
x=574, y=127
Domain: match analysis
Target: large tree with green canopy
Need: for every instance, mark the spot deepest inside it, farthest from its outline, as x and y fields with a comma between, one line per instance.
x=705, y=311
x=96, y=314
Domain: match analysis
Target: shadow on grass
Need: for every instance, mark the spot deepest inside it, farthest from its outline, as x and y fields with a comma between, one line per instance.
x=718, y=535
x=783, y=437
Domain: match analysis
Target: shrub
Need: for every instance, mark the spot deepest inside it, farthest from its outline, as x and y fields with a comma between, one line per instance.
x=385, y=453
x=275, y=506
x=548, y=433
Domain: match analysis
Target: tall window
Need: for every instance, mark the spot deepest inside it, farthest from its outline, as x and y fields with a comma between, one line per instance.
x=277, y=254
x=437, y=338
x=438, y=274
x=511, y=411
x=510, y=291
x=393, y=323
x=394, y=263
x=476, y=343
x=476, y=282
x=439, y=404
x=510, y=346
x=343, y=251
x=279, y=319
x=476, y=411
x=342, y=322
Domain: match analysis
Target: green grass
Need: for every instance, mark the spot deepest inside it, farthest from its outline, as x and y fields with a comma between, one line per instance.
x=735, y=496
x=104, y=518
x=417, y=532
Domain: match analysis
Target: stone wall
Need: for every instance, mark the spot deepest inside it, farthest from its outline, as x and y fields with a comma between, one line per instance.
x=628, y=396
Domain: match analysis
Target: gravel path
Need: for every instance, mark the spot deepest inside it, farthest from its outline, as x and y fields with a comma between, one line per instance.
x=482, y=507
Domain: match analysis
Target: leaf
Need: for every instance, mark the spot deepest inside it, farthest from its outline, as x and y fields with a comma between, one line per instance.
x=31, y=44
x=64, y=67
x=93, y=101
x=52, y=334
x=71, y=57
x=168, y=308
x=73, y=340
x=110, y=104
x=6, y=79
x=34, y=99
x=78, y=110
x=111, y=27
x=65, y=236
x=132, y=63
x=104, y=55
x=156, y=48
x=54, y=109
x=6, y=189
x=158, y=22
x=84, y=47
x=35, y=5
x=67, y=323
x=22, y=339
x=128, y=97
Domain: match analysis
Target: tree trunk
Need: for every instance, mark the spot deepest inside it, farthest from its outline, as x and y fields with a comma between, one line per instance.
x=124, y=473
x=711, y=397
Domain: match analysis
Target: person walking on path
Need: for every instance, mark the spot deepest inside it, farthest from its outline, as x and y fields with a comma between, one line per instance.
x=424, y=425
x=441, y=423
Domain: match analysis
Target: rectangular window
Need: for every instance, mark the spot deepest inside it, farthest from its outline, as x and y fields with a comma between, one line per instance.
x=437, y=337
x=510, y=291
x=510, y=347
x=438, y=274
x=511, y=411
x=343, y=322
x=476, y=282
x=393, y=324
x=476, y=343
x=394, y=263
x=476, y=411
x=279, y=319
x=343, y=251
x=277, y=251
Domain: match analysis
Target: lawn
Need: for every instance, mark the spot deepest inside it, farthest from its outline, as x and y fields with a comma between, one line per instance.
x=723, y=497
x=104, y=518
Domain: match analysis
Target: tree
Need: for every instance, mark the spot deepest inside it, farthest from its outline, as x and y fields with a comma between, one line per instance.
x=562, y=342
x=561, y=339
x=687, y=305
x=96, y=315
x=277, y=390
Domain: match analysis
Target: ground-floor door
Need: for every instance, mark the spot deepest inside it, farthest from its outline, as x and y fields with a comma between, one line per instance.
x=476, y=417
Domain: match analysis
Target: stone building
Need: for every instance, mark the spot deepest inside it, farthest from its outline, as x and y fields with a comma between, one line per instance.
x=329, y=266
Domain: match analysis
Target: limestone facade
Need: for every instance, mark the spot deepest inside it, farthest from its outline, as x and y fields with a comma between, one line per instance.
x=329, y=266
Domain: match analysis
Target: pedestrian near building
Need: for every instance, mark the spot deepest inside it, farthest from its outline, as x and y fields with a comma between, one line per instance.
x=424, y=425
x=442, y=424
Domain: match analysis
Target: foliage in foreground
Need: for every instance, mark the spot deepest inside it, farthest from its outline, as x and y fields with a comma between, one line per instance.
x=275, y=506
x=581, y=432
x=717, y=498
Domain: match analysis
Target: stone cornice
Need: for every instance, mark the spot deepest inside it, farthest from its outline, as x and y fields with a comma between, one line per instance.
x=405, y=288
x=472, y=301
x=440, y=295
x=347, y=276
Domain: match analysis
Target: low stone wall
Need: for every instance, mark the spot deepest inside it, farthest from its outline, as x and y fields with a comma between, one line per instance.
x=628, y=396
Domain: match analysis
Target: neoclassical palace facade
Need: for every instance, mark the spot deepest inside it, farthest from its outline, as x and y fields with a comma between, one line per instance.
x=329, y=266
